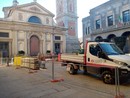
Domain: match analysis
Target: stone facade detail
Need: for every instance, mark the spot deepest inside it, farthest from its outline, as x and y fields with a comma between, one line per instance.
x=30, y=27
x=107, y=21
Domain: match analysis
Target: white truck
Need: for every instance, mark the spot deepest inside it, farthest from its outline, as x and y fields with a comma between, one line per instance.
x=101, y=59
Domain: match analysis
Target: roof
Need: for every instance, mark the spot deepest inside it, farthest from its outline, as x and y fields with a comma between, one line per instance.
x=11, y=8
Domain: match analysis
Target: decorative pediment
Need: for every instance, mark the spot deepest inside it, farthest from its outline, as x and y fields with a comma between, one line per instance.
x=25, y=12
x=35, y=9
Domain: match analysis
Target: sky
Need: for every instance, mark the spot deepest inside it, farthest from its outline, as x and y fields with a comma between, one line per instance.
x=83, y=8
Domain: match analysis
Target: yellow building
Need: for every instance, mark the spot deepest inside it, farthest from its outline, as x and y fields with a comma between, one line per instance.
x=30, y=27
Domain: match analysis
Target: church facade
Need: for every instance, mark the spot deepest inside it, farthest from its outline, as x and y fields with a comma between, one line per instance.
x=66, y=16
x=30, y=28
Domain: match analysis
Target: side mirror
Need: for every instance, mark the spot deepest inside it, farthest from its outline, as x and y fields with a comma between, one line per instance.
x=100, y=54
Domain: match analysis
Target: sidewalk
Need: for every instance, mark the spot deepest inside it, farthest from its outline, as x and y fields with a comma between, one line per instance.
x=18, y=83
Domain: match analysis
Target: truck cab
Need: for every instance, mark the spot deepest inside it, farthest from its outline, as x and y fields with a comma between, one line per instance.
x=102, y=58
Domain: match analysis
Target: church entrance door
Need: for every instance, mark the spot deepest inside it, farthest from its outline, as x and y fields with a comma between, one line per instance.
x=34, y=45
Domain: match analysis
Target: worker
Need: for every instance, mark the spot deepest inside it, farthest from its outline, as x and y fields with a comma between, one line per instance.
x=42, y=62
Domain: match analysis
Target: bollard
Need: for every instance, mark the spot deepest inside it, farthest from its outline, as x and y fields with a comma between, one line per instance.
x=117, y=85
x=53, y=74
x=59, y=57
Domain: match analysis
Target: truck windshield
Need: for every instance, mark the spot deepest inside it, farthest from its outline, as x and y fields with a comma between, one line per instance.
x=111, y=49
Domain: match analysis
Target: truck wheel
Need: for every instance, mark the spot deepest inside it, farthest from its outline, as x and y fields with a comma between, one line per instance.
x=71, y=70
x=85, y=70
x=107, y=77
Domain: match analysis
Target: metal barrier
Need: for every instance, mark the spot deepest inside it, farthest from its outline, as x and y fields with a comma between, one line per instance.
x=119, y=94
x=4, y=61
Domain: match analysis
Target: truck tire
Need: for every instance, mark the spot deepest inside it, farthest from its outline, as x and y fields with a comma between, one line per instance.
x=71, y=70
x=107, y=77
x=85, y=70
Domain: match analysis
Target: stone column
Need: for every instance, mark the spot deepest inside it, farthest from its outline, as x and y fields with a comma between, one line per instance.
x=26, y=43
x=128, y=39
x=44, y=43
x=15, y=42
x=52, y=42
x=10, y=48
x=64, y=44
x=28, y=47
x=41, y=46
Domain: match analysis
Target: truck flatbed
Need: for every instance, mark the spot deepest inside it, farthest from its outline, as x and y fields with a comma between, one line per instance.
x=77, y=58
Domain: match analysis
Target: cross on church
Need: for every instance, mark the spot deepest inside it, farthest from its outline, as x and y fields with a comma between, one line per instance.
x=35, y=0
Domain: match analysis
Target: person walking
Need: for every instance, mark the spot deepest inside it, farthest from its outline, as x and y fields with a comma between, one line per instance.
x=7, y=61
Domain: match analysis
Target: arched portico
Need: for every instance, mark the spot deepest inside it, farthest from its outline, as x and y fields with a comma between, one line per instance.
x=111, y=37
x=127, y=44
x=98, y=38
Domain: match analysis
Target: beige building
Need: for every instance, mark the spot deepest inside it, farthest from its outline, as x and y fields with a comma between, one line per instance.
x=30, y=27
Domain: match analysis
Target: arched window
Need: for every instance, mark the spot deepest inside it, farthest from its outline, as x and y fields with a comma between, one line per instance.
x=35, y=19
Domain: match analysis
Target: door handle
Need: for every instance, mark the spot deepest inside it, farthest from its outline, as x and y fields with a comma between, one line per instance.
x=89, y=59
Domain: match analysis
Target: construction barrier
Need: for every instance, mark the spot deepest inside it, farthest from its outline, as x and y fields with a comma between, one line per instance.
x=59, y=57
x=17, y=61
x=31, y=63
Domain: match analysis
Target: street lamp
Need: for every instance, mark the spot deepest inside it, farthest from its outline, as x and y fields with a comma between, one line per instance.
x=53, y=53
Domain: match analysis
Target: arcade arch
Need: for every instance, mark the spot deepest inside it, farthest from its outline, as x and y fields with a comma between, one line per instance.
x=111, y=37
x=98, y=38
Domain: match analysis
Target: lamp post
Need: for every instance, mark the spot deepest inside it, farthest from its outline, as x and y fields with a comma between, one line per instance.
x=53, y=74
x=53, y=54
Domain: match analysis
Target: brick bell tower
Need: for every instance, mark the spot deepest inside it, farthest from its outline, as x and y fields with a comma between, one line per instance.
x=66, y=16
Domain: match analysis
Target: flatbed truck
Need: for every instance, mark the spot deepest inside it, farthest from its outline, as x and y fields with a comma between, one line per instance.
x=100, y=59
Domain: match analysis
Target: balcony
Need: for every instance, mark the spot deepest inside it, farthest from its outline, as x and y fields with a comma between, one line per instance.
x=118, y=26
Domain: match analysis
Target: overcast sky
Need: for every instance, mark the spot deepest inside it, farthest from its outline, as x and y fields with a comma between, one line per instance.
x=83, y=8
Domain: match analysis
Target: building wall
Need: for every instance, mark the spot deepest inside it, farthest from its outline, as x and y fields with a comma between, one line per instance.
x=103, y=13
x=20, y=31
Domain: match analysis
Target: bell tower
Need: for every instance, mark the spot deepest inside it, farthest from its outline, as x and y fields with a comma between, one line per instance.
x=66, y=16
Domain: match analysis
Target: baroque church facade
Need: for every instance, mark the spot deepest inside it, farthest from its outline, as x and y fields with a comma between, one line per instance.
x=66, y=16
x=30, y=28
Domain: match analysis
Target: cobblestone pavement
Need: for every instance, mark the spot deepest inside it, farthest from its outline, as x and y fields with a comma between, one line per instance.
x=20, y=83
